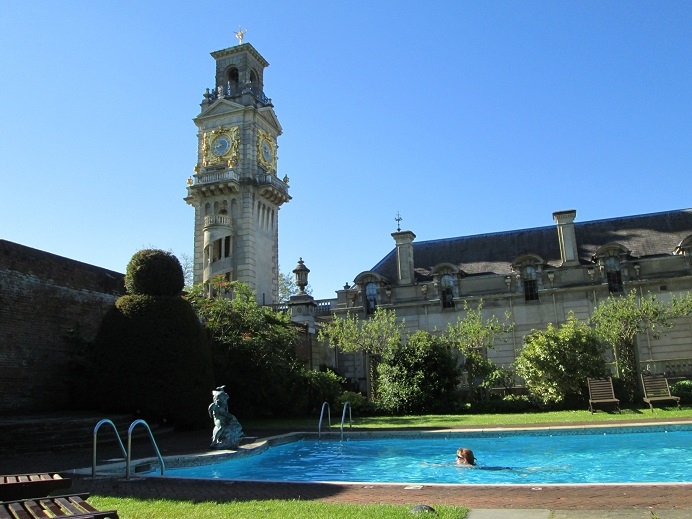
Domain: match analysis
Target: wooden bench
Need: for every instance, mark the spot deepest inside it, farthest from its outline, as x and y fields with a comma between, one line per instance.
x=656, y=390
x=25, y=486
x=74, y=507
x=601, y=392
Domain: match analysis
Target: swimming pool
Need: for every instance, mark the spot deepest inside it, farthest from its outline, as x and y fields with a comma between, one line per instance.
x=643, y=454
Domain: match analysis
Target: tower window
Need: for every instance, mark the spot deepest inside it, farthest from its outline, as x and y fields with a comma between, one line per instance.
x=233, y=78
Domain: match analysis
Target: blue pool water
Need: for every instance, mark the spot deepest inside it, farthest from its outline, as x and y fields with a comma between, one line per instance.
x=601, y=455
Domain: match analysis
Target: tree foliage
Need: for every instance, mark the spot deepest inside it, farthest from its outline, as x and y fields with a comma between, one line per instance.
x=253, y=349
x=556, y=362
x=419, y=376
x=620, y=319
x=376, y=337
x=154, y=272
x=472, y=335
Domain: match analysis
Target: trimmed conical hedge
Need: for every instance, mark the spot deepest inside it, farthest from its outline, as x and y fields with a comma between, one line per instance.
x=151, y=354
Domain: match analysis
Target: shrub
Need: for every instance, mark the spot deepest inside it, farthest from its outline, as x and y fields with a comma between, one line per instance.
x=683, y=389
x=152, y=359
x=320, y=387
x=419, y=376
x=356, y=401
x=154, y=272
x=151, y=356
x=253, y=351
x=556, y=362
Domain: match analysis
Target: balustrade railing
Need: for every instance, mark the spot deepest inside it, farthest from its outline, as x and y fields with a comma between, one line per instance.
x=216, y=176
x=233, y=90
x=219, y=219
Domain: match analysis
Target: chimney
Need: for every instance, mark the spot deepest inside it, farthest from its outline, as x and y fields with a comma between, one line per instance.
x=404, y=255
x=567, y=237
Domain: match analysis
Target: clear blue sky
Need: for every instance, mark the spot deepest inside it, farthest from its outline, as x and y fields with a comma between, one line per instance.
x=465, y=117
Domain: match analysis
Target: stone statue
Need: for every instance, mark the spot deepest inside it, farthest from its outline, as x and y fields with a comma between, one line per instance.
x=227, y=430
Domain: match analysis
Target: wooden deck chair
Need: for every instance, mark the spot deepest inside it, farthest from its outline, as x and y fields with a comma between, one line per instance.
x=656, y=389
x=601, y=392
x=25, y=486
x=74, y=507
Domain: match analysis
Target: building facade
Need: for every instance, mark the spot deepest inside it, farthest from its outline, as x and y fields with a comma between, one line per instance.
x=235, y=190
x=536, y=276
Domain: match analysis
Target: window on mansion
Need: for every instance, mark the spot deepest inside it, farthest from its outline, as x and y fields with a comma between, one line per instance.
x=613, y=274
x=370, y=297
x=447, y=291
x=529, y=278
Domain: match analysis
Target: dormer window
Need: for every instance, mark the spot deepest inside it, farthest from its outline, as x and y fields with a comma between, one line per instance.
x=370, y=298
x=613, y=274
x=530, y=280
x=528, y=268
x=610, y=258
x=447, y=291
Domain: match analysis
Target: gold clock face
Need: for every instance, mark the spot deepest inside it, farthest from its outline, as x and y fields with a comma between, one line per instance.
x=266, y=151
x=221, y=146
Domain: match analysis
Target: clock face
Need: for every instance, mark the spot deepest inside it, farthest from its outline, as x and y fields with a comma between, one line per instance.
x=266, y=151
x=221, y=146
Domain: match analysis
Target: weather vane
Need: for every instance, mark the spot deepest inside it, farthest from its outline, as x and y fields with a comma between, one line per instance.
x=398, y=221
x=240, y=35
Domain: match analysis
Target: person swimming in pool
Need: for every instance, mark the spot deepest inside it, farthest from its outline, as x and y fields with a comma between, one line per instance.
x=465, y=457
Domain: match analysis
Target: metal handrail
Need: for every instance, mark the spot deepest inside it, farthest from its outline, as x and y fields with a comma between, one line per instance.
x=329, y=419
x=96, y=430
x=129, y=447
x=343, y=419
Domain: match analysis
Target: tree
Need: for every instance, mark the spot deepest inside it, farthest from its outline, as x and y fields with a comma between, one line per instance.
x=419, y=376
x=253, y=349
x=620, y=319
x=188, y=265
x=376, y=336
x=472, y=335
x=556, y=362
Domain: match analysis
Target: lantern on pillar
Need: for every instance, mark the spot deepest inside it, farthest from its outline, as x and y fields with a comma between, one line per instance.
x=301, y=272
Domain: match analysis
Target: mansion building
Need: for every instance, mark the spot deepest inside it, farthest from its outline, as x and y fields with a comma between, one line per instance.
x=535, y=276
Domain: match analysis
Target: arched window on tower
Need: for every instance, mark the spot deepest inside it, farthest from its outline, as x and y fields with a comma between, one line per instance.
x=233, y=79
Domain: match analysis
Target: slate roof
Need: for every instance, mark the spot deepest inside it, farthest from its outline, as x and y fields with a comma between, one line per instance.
x=644, y=235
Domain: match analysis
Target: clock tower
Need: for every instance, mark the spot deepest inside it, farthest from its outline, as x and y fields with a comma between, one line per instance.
x=235, y=190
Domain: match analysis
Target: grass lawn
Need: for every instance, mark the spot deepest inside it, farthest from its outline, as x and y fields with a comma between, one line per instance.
x=478, y=420
x=165, y=509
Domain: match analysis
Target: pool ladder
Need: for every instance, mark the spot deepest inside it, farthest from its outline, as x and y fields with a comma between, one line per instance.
x=347, y=405
x=127, y=455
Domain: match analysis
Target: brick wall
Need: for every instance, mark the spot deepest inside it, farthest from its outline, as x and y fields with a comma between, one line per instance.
x=42, y=298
